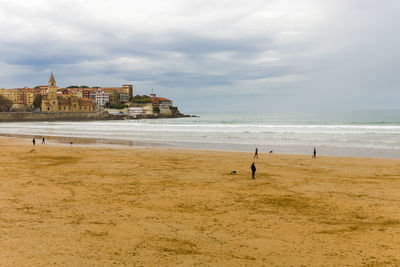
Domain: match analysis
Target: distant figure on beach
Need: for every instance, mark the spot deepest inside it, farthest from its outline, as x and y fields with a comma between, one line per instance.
x=256, y=154
x=314, y=153
x=71, y=143
x=253, y=170
x=33, y=141
x=270, y=152
x=43, y=140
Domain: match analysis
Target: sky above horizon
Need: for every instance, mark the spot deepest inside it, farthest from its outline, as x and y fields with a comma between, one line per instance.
x=210, y=56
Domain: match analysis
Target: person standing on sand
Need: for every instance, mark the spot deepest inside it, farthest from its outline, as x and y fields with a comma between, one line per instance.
x=43, y=141
x=253, y=170
x=314, y=153
x=256, y=154
x=33, y=141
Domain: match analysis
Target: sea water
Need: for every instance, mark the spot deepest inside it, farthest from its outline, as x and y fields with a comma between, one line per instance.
x=369, y=134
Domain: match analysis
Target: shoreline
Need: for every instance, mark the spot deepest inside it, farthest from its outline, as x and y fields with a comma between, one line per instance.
x=282, y=150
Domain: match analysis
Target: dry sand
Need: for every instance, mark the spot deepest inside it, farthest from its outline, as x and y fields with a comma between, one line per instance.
x=75, y=206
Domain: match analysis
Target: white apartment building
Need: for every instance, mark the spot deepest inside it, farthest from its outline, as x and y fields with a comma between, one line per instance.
x=102, y=97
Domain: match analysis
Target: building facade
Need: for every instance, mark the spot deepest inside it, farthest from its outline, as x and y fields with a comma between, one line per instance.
x=163, y=104
x=13, y=94
x=102, y=97
x=54, y=102
x=70, y=99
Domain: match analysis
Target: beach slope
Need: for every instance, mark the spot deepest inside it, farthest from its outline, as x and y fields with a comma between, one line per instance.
x=70, y=205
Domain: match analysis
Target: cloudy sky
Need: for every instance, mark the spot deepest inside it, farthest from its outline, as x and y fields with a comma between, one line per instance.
x=208, y=55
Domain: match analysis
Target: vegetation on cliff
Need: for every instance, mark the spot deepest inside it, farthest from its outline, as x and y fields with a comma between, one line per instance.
x=115, y=106
x=140, y=99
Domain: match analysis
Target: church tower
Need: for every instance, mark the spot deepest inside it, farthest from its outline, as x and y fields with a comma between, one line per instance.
x=52, y=89
x=50, y=103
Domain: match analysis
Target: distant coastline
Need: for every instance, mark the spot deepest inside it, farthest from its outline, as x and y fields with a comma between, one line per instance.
x=82, y=99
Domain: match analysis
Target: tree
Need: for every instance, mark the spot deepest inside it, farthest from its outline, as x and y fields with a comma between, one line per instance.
x=37, y=102
x=5, y=104
x=84, y=86
x=140, y=99
x=117, y=106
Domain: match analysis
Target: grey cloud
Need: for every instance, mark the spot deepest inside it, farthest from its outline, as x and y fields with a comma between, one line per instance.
x=325, y=54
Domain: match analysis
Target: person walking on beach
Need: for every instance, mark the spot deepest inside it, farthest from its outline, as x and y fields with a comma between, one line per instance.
x=253, y=170
x=33, y=141
x=43, y=140
x=314, y=153
x=256, y=154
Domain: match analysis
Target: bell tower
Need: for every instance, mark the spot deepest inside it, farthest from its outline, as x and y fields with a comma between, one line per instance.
x=52, y=89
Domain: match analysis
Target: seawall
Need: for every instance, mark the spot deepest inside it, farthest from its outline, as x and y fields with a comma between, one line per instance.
x=55, y=116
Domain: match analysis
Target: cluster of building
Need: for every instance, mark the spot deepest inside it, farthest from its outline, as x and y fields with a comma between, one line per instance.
x=85, y=99
x=156, y=105
x=67, y=99
x=54, y=101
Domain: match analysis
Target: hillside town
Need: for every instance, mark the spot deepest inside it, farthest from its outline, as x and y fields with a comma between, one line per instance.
x=114, y=100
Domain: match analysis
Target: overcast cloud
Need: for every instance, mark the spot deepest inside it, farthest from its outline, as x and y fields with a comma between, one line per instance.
x=257, y=55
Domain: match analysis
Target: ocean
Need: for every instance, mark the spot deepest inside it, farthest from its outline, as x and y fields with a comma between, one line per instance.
x=361, y=133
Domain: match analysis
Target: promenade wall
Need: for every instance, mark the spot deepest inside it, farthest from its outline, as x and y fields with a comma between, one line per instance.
x=54, y=116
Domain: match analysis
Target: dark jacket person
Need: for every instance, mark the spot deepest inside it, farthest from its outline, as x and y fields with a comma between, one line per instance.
x=253, y=170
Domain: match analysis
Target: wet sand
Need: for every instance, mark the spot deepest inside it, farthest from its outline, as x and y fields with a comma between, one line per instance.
x=97, y=206
x=110, y=141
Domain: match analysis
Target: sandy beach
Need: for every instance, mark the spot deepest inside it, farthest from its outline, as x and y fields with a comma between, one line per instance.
x=99, y=206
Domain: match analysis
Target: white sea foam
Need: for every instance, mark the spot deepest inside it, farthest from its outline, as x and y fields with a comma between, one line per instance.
x=287, y=134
